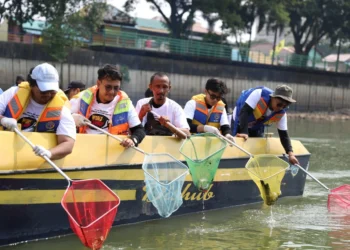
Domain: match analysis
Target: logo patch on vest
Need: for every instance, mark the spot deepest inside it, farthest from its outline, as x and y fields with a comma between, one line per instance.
x=27, y=123
x=100, y=121
x=50, y=125
x=216, y=117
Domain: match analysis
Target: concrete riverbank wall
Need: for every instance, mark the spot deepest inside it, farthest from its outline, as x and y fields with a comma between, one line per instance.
x=313, y=90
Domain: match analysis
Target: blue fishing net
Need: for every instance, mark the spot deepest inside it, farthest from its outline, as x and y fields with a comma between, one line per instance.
x=164, y=178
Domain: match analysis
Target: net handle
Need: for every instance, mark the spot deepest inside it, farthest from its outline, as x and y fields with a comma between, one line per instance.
x=172, y=128
x=313, y=177
x=234, y=144
x=114, y=137
x=45, y=157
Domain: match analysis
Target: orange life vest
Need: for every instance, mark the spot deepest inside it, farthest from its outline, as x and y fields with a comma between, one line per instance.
x=119, y=123
x=201, y=115
x=49, y=118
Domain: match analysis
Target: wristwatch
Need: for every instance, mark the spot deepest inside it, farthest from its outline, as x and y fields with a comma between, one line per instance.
x=134, y=140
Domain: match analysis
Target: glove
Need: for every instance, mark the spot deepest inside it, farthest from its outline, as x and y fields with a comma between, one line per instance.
x=9, y=123
x=41, y=151
x=211, y=129
x=80, y=120
x=230, y=138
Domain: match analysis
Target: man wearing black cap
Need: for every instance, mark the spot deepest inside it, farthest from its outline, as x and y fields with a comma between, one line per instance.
x=260, y=106
x=74, y=88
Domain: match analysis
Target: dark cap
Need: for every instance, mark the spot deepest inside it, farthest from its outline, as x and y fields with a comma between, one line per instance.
x=75, y=85
x=283, y=91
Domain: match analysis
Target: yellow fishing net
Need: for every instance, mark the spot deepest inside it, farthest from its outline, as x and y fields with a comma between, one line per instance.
x=267, y=171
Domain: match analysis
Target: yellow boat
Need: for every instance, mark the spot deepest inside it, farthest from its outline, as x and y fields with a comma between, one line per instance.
x=31, y=190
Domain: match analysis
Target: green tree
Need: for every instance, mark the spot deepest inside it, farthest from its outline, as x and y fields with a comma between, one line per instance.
x=277, y=20
x=181, y=16
x=238, y=17
x=69, y=30
x=22, y=11
x=313, y=20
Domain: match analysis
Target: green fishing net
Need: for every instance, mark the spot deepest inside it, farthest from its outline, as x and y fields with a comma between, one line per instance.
x=267, y=171
x=203, y=153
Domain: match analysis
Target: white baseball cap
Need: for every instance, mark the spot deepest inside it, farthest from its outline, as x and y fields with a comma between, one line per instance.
x=46, y=77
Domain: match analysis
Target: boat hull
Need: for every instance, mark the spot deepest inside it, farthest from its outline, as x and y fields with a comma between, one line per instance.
x=33, y=209
x=31, y=190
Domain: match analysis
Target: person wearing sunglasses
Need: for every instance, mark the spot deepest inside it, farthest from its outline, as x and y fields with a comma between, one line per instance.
x=259, y=107
x=106, y=106
x=40, y=106
x=167, y=109
x=207, y=113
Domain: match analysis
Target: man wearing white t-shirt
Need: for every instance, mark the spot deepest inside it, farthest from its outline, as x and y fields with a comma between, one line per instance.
x=38, y=105
x=167, y=109
x=260, y=106
x=207, y=113
x=107, y=107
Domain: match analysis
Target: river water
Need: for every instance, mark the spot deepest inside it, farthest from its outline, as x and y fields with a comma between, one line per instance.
x=293, y=223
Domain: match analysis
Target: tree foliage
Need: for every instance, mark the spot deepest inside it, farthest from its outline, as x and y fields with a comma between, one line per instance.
x=313, y=20
x=181, y=16
x=69, y=30
x=22, y=11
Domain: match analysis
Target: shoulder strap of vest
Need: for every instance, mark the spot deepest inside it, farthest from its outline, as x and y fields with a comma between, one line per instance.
x=122, y=95
x=22, y=96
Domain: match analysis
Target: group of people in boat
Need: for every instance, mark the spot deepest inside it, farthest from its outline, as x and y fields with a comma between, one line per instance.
x=38, y=104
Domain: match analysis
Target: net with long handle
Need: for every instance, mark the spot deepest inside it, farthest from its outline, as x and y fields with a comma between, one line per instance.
x=203, y=153
x=267, y=171
x=91, y=206
x=339, y=199
x=164, y=178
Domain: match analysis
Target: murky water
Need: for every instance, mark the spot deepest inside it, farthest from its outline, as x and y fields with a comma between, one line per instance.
x=293, y=223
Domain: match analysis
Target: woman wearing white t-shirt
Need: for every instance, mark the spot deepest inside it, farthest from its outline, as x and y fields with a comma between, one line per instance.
x=167, y=109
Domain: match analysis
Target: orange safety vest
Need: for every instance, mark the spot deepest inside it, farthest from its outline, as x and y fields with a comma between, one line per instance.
x=119, y=124
x=201, y=115
x=49, y=118
x=261, y=109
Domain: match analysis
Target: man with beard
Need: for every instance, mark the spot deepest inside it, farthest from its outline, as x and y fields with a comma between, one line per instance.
x=39, y=106
x=107, y=107
x=167, y=109
x=207, y=113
